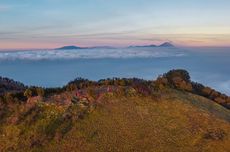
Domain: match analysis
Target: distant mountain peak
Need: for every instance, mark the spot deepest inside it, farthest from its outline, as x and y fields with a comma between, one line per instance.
x=71, y=47
x=166, y=44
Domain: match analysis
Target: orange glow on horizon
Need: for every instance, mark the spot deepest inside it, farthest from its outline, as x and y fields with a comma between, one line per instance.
x=183, y=42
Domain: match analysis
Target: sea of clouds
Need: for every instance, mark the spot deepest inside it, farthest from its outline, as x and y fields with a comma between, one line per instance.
x=92, y=53
x=208, y=68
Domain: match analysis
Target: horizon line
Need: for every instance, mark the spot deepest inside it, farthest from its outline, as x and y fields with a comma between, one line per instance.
x=113, y=46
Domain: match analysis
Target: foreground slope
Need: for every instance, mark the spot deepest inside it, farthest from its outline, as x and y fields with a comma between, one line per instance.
x=172, y=122
x=169, y=114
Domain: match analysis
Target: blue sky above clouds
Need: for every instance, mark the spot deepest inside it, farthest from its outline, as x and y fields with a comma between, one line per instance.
x=53, y=23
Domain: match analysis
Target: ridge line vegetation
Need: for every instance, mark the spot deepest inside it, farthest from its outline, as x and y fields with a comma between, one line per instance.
x=176, y=79
x=117, y=114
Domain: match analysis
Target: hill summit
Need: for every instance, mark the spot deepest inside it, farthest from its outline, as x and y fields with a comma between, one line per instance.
x=166, y=44
x=68, y=48
x=171, y=113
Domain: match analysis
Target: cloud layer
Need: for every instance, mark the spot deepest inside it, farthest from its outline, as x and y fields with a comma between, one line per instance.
x=92, y=53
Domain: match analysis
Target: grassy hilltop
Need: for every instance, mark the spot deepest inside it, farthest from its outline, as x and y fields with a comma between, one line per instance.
x=171, y=113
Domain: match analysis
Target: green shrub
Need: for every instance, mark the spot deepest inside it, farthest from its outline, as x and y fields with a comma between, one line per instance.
x=28, y=93
x=71, y=87
x=183, y=74
x=197, y=87
x=92, y=93
x=52, y=127
x=219, y=100
x=121, y=91
x=160, y=83
x=8, y=97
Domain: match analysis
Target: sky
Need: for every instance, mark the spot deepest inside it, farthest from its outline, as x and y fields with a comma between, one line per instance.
x=55, y=23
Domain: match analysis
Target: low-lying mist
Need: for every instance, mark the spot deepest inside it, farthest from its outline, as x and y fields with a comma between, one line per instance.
x=53, y=68
x=94, y=53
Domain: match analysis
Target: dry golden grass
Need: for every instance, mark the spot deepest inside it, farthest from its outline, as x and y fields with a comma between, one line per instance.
x=177, y=122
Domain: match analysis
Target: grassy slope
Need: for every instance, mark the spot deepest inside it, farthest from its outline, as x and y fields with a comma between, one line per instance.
x=177, y=122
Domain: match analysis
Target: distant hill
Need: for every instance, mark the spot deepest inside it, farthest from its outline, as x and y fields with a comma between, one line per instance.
x=76, y=47
x=68, y=48
x=166, y=44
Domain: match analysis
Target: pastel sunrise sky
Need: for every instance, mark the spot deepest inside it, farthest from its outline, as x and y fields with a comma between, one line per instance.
x=54, y=23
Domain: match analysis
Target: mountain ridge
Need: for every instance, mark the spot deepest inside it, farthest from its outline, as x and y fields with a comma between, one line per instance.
x=165, y=44
x=72, y=47
x=176, y=79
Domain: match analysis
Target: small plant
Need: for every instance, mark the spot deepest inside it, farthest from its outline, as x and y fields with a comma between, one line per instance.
x=2, y=101
x=8, y=97
x=121, y=91
x=71, y=87
x=40, y=92
x=91, y=92
x=215, y=134
x=28, y=93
